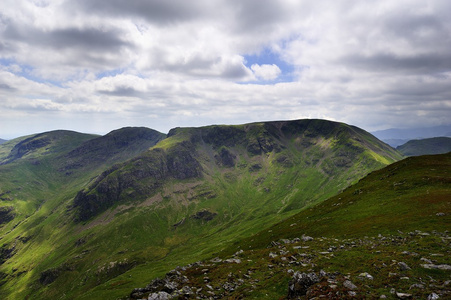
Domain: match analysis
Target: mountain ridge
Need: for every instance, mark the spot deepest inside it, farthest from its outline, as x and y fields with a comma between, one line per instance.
x=396, y=136
x=437, y=145
x=180, y=200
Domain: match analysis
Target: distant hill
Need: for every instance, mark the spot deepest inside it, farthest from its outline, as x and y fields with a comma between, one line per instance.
x=2, y=141
x=93, y=217
x=396, y=137
x=437, y=145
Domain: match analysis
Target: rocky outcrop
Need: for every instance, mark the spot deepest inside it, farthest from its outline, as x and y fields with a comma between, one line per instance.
x=6, y=252
x=28, y=145
x=138, y=178
x=116, y=146
x=225, y=158
x=6, y=214
x=300, y=283
x=204, y=215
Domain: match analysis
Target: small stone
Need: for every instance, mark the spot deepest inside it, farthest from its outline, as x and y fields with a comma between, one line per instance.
x=416, y=286
x=352, y=293
x=366, y=276
x=159, y=296
x=216, y=260
x=383, y=297
x=440, y=214
x=306, y=238
x=349, y=285
x=239, y=252
x=392, y=291
x=233, y=260
x=437, y=267
x=403, y=266
x=403, y=296
x=433, y=296
x=428, y=261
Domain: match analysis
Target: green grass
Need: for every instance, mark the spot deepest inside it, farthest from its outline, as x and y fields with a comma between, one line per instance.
x=134, y=240
x=370, y=227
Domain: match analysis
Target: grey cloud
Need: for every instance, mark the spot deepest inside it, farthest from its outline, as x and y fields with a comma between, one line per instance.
x=155, y=11
x=123, y=92
x=258, y=15
x=384, y=62
x=6, y=87
x=92, y=38
x=86, y=38
x=416, y=28
x=235, y=71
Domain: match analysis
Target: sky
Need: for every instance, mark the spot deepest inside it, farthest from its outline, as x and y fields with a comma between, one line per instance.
x=97, y=65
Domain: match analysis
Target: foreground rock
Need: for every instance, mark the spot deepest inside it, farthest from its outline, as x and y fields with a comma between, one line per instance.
x=300, y=284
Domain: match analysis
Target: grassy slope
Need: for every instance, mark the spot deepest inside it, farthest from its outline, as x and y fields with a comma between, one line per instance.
x=39, y=185
x=437, y=145
x=384, y=206
x=404, y=196
x=135, y=240
x=401, y=213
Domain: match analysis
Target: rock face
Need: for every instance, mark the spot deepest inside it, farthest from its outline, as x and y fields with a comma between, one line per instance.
x=6, y=214
x=142, y=175
x=112, y=147
x=204, y=215
x=28, y=145
x=300, y=283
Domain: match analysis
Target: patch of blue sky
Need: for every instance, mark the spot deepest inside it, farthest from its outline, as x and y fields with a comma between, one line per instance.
x=26, y=72
x=109, y=73
x=269, y=57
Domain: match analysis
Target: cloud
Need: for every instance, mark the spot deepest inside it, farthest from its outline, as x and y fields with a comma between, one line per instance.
x=155, y=12
x=183, y=63
x=266, y=72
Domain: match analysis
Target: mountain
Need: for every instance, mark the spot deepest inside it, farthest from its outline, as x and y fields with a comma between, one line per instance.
x=436, y=145
x=97, y=218
x=2, y=141
x=387, y=235
x=396, y=137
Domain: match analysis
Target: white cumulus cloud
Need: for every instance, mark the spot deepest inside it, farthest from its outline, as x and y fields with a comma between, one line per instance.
x=266, y=72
